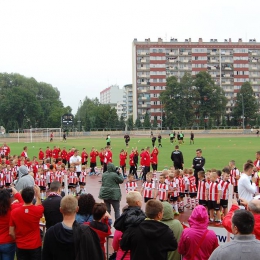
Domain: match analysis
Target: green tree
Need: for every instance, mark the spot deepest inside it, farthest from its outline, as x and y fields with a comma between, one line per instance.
x=210, y=100
x=246, y=104
x=130, y=123
x=122, y=123
x=138, y=123
x=178, y=101
x=155, y=123
x=147, y=123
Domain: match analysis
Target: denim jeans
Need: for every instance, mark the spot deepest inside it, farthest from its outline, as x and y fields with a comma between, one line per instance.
x=116, y=207
x=29, y=254
x=7, y=251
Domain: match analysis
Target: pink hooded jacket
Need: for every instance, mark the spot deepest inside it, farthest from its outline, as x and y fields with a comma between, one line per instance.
x=191, y=237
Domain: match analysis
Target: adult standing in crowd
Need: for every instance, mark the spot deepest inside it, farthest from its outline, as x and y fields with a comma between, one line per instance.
x=151, y=239
x=7, y=243
x=86, y=203
x=252, y=206
x=110, y=190
x=175, y=225
x=177, y=158
x=198, y=164
x=52, y=205
x=24, y=225
x=247, y=184
x=76, y=160
x=244, y=245
x=68, y=240
x=198, y=242
x=25, y=179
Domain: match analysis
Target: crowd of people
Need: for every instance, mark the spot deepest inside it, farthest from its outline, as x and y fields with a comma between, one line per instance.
x=77, y=226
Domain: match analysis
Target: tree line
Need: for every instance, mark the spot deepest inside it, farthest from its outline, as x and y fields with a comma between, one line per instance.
x=189, y=102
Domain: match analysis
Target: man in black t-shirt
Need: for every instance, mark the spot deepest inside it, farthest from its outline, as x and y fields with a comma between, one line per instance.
x=177, y=158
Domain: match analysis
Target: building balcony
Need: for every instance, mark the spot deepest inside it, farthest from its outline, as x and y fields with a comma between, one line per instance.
x=254, y=82
x=226, y=82
x=143, y=60
x=172, y=61
x=253, y=68
x=173, y=53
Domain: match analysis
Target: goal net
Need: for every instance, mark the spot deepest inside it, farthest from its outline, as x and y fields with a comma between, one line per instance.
x=42, y=134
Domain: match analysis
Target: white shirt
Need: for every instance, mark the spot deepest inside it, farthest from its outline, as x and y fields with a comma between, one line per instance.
x=76, y=159
x=246, y=190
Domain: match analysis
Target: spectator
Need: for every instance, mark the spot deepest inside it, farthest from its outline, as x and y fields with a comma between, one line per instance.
x=151, y=239
x=25, y=179
x=52, y=205
x=110, y=190
x=24, y=225
x=68, y=240
x=7, y=243
x=246, y=187
x=120, y=254
x=133, y=214
x=100, y=224
x=253, y=206
x=86, y=203
x=244, y=245
x=197, y=242
x=175, y=225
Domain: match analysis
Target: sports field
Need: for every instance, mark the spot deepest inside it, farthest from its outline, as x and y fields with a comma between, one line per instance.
x=218, y=151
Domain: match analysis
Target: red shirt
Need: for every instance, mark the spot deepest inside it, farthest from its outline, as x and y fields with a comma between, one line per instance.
x=131, y=161
x=93, y=156
x=4, y=221
x=146, y=158
x=64, y=154
x=154, y=156
x=101, y=156
x=122, y=158
x=48, y=153
x=108, y=157
x=55, y=153
x=26, y=220
x=41, y=155
x=6, y=150
x=84, y=157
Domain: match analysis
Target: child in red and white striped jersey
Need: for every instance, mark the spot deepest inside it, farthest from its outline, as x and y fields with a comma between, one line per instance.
x=173, y=192
x=234, y=177
x=214, y=197
x=181, y=189
x=203, y=189
x=148, y=187
x=162, y=192
x=225, y=189
x=192, y=188
x=130, y=185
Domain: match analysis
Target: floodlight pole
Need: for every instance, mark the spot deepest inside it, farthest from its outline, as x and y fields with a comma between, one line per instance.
x=243, y=112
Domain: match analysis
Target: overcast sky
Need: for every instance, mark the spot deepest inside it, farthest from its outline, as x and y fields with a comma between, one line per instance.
x=82, y=47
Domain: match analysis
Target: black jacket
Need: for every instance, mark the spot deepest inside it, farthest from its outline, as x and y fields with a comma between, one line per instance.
x=77, y=244
x=52, y=210
x=198, y=164
x=177, y=157
x=150, y=240
x=132, y=216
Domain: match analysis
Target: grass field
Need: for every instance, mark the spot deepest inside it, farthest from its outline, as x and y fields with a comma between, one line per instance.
x=218, y=151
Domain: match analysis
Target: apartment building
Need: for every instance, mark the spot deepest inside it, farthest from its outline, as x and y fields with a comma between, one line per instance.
x=111, y=95
x=229, y=64
x=128, y=101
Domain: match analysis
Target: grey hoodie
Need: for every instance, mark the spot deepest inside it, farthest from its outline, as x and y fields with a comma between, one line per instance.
x=25, y=180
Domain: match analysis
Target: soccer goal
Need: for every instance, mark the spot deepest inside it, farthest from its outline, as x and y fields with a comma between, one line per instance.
x=42, y=134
